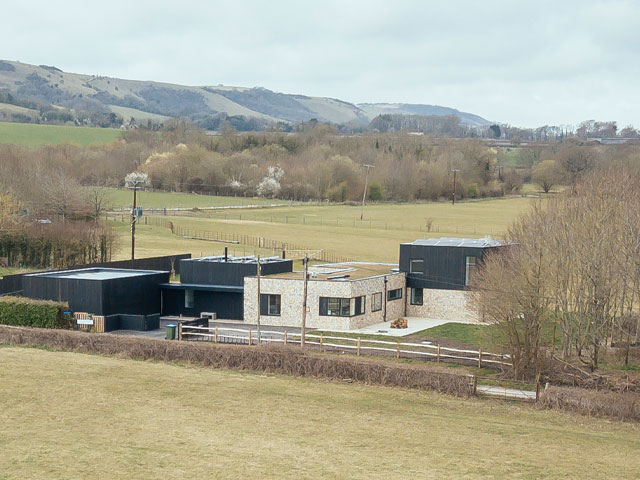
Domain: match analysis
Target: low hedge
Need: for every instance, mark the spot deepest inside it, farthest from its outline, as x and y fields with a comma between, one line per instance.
x=26, y=312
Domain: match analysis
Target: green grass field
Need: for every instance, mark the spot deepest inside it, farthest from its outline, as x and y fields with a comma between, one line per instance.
x=32, y=135
x=70, y=415
x=338, y=228
x=124, y=198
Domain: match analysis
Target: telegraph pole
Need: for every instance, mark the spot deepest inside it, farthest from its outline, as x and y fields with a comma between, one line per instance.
x=303, y=330
x=455, y=170
x=133, y=223
x=364, y=194
x=259, y=303
x=134, y=180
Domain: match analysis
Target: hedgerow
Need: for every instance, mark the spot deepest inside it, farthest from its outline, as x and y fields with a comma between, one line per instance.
x=27, y=312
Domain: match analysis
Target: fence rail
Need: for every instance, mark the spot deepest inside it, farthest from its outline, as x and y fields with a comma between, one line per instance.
x=351, y=345
x=236, y=239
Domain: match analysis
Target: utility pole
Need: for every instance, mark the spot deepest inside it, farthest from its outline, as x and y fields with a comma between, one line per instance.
x=133, y=181
x=133, y=223
x=455, y=171
x=259, y=303
x=364, y=194
x=303, y=330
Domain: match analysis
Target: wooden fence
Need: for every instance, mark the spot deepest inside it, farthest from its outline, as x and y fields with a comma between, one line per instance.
x=238, y=239
x=356, y=346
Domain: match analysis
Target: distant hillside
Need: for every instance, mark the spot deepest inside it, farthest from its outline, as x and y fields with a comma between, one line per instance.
x=374, y=109
x=208, y=105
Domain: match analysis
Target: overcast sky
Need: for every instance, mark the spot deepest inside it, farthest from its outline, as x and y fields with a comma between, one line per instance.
x=526, y=63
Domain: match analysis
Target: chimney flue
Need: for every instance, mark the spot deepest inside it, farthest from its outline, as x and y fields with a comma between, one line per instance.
x=226, y=254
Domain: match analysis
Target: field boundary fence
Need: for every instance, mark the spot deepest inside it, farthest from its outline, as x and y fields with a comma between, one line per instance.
x=355, y=346
x=241, y=239
x=337, y=222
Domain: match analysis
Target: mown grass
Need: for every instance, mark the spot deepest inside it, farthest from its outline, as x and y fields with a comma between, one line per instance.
x=338, y=228
x=124, y=198
x=70, y=415
x=33, y=135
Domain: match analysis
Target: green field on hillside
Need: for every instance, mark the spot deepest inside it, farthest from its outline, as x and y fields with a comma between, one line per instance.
x=338, y=228
x=70, y=415
x=33, y=135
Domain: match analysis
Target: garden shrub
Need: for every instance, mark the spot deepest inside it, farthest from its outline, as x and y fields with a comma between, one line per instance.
x=27, y=312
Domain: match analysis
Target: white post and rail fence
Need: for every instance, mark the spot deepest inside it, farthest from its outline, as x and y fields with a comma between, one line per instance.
x=356, y=346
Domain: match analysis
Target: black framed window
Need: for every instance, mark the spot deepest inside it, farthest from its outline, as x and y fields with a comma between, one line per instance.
x=376, y=302
x=341, y=307
x=416, y=296
x=395, y=294
x=359, y=304
x=270, y=304
x=416, y=265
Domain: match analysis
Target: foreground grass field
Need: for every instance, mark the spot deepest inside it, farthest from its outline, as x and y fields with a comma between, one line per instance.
x=69, y=415
x=338, y=228
x=32, y=135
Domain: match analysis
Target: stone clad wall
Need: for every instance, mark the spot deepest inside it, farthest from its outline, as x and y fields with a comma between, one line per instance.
x=369, y=286
x=450, y=305
x=292, y=290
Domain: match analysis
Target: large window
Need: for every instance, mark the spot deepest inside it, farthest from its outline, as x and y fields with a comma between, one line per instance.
x=269, y=304
x=188, y=299
x=416, y=296
x=342, y=307
x=395, y=294
x=376, y=302
x=416, y=265
x=359, y=304
x=470, y=268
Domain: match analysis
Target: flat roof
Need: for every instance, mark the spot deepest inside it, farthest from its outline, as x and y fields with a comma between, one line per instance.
x=341, y=272
x=457, y=242
x=97, y=273
x=251, y=259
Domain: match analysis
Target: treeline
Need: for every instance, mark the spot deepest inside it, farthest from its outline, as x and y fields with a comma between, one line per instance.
x=46, y=219
x=574, y=264
x=313, y=164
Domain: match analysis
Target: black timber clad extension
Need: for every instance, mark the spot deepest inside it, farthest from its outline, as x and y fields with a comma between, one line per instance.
x=226, y=305
x=444, y=266
x=207, y=272
x=136, y=295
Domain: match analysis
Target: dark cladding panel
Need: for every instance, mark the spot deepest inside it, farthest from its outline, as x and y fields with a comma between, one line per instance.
x=218, y=272
x=100, y=291
x=138, y=295
x=444, y=266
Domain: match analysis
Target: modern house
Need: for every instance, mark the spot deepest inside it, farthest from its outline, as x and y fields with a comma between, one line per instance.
x=438, y=271
x=431, y=281
x=340, y=296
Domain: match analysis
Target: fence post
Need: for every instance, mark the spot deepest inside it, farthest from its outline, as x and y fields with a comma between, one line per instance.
x=321, y=342
x=398, y=349
x=438, y=353
x=285, y=337
x=479, y=358
x=179, y=331
x=358, y=343
x=215, y=336
x=474, y=384
x=250, y=341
